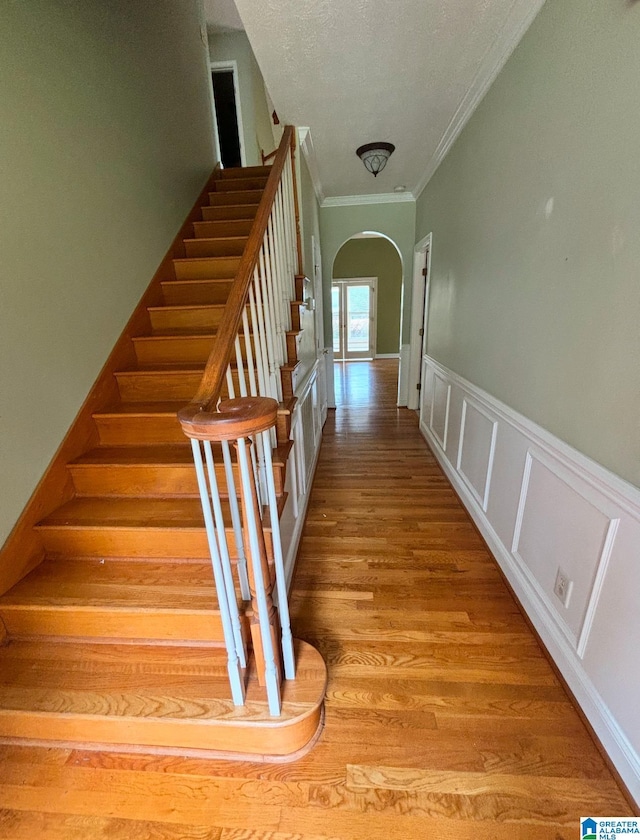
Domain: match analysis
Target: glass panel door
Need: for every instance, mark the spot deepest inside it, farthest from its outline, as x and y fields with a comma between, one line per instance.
x=353, y=318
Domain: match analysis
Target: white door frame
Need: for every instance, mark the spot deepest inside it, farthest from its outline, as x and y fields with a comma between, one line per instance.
x=373, y=313
x=217, y=66
x=419, y=318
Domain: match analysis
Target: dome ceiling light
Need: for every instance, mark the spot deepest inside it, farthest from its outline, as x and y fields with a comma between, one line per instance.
x=375, y=156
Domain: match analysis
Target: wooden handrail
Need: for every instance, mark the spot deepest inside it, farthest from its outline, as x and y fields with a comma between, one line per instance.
x=212, y=380
x=265, y=158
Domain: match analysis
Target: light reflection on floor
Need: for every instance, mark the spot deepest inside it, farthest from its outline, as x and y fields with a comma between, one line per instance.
x=367, y=387
x=365, y=383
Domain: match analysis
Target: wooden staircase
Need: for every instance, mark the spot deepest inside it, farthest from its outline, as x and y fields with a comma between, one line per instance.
x=114, y=639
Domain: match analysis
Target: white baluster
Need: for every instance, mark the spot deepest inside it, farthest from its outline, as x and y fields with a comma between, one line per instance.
x=230, y=386
x=262, y=365
x=225, y=559
x=263, y=307
x=236, y=521
x=271, y=670
x=281, y=581
x=242, y=382
x=234, y=667
x=253, y=388
x=268, y=296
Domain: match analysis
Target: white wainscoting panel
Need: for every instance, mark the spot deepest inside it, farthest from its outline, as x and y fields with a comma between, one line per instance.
x=476, y=449
x=541, y=505
x=439, y=421
x=561, y=525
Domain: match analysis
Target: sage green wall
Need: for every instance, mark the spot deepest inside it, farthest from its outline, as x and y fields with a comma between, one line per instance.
x=376, y=258
x=105, y=142
x=535, y=292
x=393, y=219
x=256, y=118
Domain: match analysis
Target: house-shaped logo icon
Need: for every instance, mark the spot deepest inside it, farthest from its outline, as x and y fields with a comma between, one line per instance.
x=588, y=828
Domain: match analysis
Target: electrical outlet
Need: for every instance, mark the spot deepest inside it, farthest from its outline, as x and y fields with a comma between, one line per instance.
x=563, y=587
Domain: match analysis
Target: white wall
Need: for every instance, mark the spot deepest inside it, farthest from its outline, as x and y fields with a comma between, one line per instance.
x=541, y=505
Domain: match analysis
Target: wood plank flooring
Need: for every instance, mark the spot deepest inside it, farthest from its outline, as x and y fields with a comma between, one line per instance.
x=443, y=718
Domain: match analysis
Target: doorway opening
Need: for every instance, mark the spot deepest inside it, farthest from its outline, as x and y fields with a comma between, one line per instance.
x=366, y=301
x=419, y=318
x=227, y=114
x=353, y=317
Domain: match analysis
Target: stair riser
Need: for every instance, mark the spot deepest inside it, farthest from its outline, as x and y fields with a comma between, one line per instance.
x=244, y=172
x=295, y=315
x=153, y=543
x=223, y=736
x=283, y=427
x=170, y=350
x=240, y=227
x=221, y=199
x=124, y=430
x=206, y=268
x=103, y=623
x=191, y=292
x=198, y=318
x=231, y=184
x=232, y=247
x=174, y=480
x=144, y=387
x=293, y=342
x=225, y=213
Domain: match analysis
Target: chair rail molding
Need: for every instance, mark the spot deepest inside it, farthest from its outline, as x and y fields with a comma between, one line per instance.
x=543, y=506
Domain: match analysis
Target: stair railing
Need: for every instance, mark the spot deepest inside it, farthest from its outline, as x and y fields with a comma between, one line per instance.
x=249, y=349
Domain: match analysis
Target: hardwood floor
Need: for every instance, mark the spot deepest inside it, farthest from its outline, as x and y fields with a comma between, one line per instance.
x=443, y=718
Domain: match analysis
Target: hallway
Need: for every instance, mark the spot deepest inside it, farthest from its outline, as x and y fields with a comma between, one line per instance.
x=443, y=718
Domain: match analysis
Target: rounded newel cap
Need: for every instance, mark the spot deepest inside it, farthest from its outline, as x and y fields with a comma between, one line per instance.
x=234, y=419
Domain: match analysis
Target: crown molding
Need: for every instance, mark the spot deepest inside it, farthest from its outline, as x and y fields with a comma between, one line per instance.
x=375, y=198
x=309, y=152
x=518, y=21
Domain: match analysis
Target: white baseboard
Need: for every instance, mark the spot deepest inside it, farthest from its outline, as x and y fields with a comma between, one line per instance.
x=540, y=504
x=387, y=355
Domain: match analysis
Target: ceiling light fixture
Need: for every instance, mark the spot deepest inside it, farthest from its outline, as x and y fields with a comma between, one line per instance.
x=375, y=156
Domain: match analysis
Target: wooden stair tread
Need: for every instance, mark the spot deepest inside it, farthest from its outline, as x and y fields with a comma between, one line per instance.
x=142, y=409
x=110, y=512
x=201, y=240
x=156, y=696
x=160, y=333
x=136, y=512
x=139, y=585
x=186, y=306
x=162, y=368
x=197, y=281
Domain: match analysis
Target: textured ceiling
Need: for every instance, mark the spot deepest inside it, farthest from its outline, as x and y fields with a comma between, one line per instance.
x=355, y=71
x=222, y=15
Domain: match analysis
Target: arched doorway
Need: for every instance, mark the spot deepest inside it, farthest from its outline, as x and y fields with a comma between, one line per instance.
x=366, y=298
